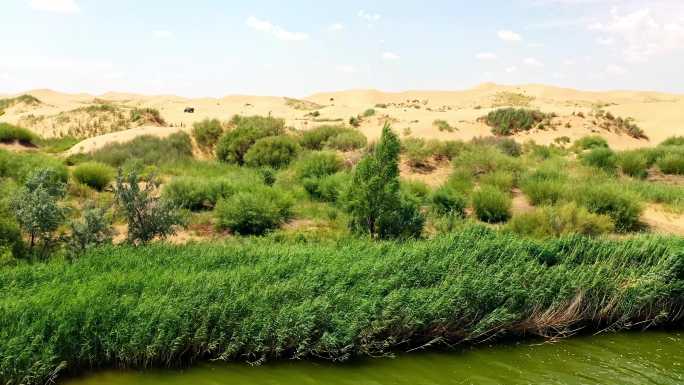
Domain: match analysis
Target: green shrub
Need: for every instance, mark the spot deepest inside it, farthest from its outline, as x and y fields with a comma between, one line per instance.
x=10, y=133
x=207, y=133
x=146, y=116
x=633, y=163
x=673, y=141
x=541, y=191
x=613, y=200
x=368, y=113
x=318, y=164
x=491, y=205
x=146, y=150
x=19, y=166
x=501, y=179
x=602, y=158
x=328, y=188
x=416, y=189
x=556, y=221
x=10, y=236
x=355, y=121
x=315, y=138
x=485, y=159
x=508, y=121
x=448, y=201
x=416, y=152
x=590, y=142
x=234, y=144
x=461, y=181
x=93, y=229
x=672, y=163
x=347, y=141
x=255, y=212
x=443, y=125
x=94, y=174
x=445, y=149
x=272, y=151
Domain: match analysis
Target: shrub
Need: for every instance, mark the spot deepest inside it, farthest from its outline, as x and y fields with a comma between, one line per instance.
x=633, y=163
x=447, y=149
x=10, y=133
x=443, y=125
x=315, y=138
x=318, y=164
x=590, y=142
x=672, y=163
x=355, y=121
x=147, y=216
x=557, y=221
x=254, y=212
x=234, y=144
x=448, y=201
x=482, y=160
x=491, y=205
x=207, y=133
x=199, y=193
x=91, y=230
x=541, y=191
x=19, y=166
x=416, y=189
x=328, y=188
x=602, y=158
x=608, y=199
x=272, y=151
x=94, y=174
x=10, y=236
x=147, y=115
x=347, y=141
x=673, y=141
x=417, y=152
x=508, y=121
x=146, y=150
x=368, y=113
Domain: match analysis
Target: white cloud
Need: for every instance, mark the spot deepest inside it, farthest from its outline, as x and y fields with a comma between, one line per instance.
x=390, y=56
x=336, y=27
x=4, y=76
x=511, y=69
x=616, y=70
x=369, y=17
x=162, y=34
x=486, y=56
x=346, y=69
x=530, y=61
x=57, y=6
x=643, y=33
x=277, y=31
x=507, y=35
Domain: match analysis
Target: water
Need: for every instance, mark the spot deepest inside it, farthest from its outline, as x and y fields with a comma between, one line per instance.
x=626, y=358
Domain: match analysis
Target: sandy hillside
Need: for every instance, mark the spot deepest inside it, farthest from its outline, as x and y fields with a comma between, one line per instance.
x=109, y=115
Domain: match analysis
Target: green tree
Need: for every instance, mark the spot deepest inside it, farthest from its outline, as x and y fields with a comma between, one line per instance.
x=374, y=200
x=147, y=216
x=93, y=229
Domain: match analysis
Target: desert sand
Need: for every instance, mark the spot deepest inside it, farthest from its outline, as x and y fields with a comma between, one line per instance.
x=660, y=115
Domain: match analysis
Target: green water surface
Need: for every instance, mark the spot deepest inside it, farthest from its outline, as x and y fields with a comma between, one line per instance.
x=625, y=358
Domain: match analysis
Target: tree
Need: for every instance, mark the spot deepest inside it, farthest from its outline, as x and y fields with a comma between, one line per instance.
x=147, y=216
x=37, y=210
x=374, y=200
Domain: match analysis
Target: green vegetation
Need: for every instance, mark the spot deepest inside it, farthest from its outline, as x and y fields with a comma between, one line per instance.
x=508, y=121
x=142, y=307
x=443, y=125
x=146, y=150
x=633, y=163
x=368, y=113
x=94, y=174
x=672, y=162
x=590, y=142
x=333, y=137
x=22, y=99
x=491, y=205
x=273, y=151
x=146, y=116
x=602, y=158
x=234, y=143
x=10, y=133
x=207, y=133
x=254, y=212
x=612, y=200
x=555, y=221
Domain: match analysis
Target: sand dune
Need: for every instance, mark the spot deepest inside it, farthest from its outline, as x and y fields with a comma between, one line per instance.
x=660, y=115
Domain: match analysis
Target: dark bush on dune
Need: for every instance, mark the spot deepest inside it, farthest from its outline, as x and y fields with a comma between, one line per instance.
x=234, y=144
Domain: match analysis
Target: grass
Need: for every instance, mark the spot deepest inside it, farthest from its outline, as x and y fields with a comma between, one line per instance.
x=93, y=174
x=443, y=125
x=262, y=300
x=25, y=99
x=146, y=150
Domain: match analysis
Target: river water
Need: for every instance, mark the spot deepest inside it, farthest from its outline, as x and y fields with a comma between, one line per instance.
x=625, y=358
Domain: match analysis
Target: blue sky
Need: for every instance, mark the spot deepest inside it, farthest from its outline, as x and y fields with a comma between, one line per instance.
x=215, y=48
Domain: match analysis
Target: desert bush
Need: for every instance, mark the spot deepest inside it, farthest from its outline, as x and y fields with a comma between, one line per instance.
x=541, y=191
x=10, y=236
x=146, y=150
x=316, y=138
x=508, y=121
x=318, y=164
x=611, y=199
x=485, y=159
x=672, y=162
x=633, y=163
x=445, y=149
x=19, y=166
x=253, y=213
x=328, y=188
x=10, y=133
x=554, y=221
x=491, y=205
x=443, y=125
x=602, y=158
x=448, y=201
x=506, y=145
x=355, y=121
x=148, y=217
x=461, y=181
x=501, y=179
x=417, y=152
x=272, y=151
x=368, y=113
x=590, y=142
x=347, y=141
x=94, y=174
x=207, y=133
x=199, y=193
x=673, y=141
x=416, y=189
x=146, y=115
x=234, y=144
x=93, y=229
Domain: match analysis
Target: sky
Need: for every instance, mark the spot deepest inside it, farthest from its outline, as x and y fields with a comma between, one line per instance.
x=296, y=48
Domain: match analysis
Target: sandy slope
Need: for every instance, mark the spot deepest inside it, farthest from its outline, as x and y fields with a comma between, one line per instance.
x=660, y=115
